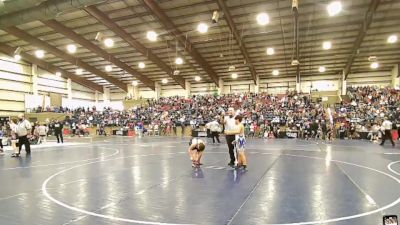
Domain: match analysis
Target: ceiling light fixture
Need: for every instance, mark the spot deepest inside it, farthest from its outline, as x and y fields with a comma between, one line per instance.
x=79, y=71
x=202, y=28
x=275, y=72
x=58, y=74
x=215, y=16
x=151, y=35
x=108, y=68
x=179, y=61
x=17, y=53
x=234, y=75
x=334, y=8
x=134, y=83
x=99, y=36
x=164, y=81
x=327, y=45
x=197, y=78
x=39, y=54
x=141, y=65
x=322, y=69
x=71, y=48
x=374, y=65
x=270, y=51
x=17, y=57
x=392, y=39
x=108, y=42
x=262, y=19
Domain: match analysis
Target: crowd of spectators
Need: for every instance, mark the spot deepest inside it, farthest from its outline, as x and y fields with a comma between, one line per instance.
x=165, y=114
x=265, y=115
x=365, y=111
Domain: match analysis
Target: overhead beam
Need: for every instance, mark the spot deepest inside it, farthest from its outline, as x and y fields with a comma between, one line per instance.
x=46, y=10
x=67, y=32
x=114, y=27
x=238, y=38
x=170, y=26
x=60, y=54
x=8, y=50
x=369, y=15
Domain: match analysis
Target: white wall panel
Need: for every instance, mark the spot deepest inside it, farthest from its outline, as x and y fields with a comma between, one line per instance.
x=9, y=64
x=78, y=87
x=174, y=92
x=14, y=86
x=16, y=81
x=147, y=94
x=16, y=96
x=83, y=95
x=14, y=76
x=76, y=103
x=12, y=105
x=117, y=96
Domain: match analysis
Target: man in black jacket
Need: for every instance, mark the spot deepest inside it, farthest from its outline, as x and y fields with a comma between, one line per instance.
x=58, y=129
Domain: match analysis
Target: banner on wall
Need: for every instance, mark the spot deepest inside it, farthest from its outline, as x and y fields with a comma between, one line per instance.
x=55, y=99
x=76, y=103
x=34, y=101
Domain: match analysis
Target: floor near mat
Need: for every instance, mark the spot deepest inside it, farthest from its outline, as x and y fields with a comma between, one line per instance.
x=116, y=180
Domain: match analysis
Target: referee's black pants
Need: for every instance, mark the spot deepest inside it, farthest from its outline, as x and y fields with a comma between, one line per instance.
x=387, y=135
x=23, y=140
x=215, y=135
x=231, y=147
x=59, y=136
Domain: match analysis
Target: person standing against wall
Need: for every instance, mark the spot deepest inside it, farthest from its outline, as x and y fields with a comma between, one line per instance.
x=42, y=132
x=13, y=135
x=215, y=130
x=230, y=127
x=73, y=127
x=2, y=131
x=58, y=129
x=24, y=128
x=387, y=127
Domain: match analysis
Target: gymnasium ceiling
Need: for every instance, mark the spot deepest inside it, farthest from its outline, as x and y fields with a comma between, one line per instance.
x=209, y=55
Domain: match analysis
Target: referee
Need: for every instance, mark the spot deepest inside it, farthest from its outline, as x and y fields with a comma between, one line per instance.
x=387, y=126
x=230, y=125
x=23, y=130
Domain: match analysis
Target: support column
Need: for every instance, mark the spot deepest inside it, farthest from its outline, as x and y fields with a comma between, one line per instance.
x=221, y=87
x=257, y=86
x=343, y=85
x=188, y=88
x=395, y=76
x=298, y=83
x=69, y=88
x=298, y=87
x=34, y=80
x=96, y=97
x=157, y=90
x=136, y=94
x=106, y=94
x=130, y=92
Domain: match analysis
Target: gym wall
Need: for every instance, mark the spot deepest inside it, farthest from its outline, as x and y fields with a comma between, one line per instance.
x=274, y=85
x=16, y=82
